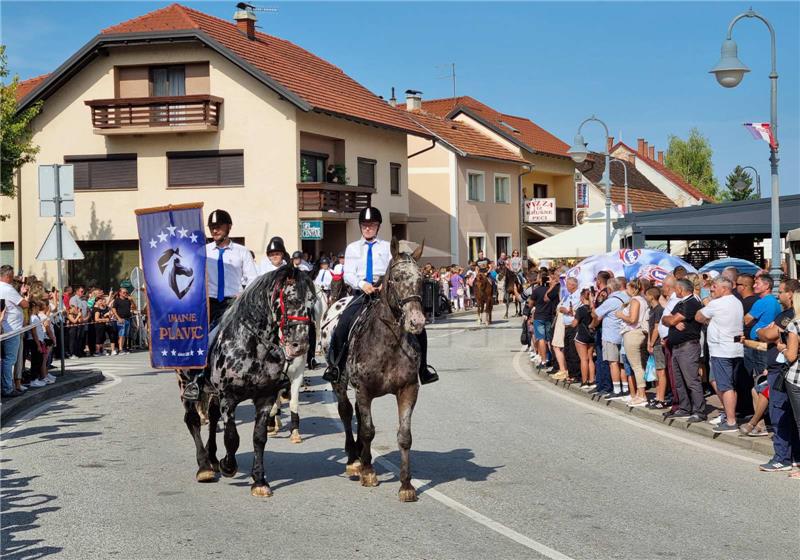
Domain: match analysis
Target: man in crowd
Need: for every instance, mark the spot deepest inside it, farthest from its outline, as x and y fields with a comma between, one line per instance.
x=668, y=301
x=122, y=311
x=545, y=299
x=612, y=336
x=78, y=332
x=724, y=314
x=567, y=309
x=684, y=341
x=602, y=371
x=761, y=314
x=14, y=303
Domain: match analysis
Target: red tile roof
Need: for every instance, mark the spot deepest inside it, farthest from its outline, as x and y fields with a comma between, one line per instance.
x=521, y=128
x=642, y=194
x=668, y=173
x=463, y=137
x=26, y=86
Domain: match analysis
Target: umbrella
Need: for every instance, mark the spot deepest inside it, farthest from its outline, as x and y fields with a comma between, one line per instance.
x=631, y=263
x=743, y=266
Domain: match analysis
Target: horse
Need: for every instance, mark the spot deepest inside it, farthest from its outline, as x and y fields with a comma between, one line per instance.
x=386, y=361
x=295, y=372
x=508, y=286
x=264, y=329
x=484, y=298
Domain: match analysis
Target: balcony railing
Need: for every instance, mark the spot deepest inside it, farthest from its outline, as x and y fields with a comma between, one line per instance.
x=142, y=115
x=330, y=197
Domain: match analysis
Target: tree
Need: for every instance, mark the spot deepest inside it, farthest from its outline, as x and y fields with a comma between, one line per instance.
x=738, y=185
x=691, y=159
x=15, y=131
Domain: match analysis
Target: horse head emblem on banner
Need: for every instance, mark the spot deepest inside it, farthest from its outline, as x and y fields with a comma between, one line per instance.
x=179, y=276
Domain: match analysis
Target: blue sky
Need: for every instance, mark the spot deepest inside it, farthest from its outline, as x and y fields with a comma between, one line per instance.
x=640, y=66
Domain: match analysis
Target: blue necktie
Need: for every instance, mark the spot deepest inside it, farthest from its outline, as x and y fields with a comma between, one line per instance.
x=220, y=275
x=368, y=276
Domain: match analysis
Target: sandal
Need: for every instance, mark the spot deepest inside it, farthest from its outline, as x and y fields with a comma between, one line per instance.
x=795, y=474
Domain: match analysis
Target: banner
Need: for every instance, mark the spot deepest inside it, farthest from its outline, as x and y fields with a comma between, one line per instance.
x=581, y=195
x=540, y=210
x=172, y=244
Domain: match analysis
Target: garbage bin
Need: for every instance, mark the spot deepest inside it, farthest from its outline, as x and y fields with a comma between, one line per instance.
x=430, y=296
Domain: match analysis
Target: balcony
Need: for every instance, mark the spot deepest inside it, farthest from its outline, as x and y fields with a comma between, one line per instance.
x=330, y=197
x=155, y=115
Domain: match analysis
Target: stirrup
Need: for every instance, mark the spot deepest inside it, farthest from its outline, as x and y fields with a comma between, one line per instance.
x=191, y=391
x=332, y=374
x=428, y=375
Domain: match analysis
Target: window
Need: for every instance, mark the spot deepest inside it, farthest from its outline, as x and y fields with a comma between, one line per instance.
x=210, y=168
x=475, y=187
x=539, y=191
x=394, y=179
x=104, y=171
x=312, y=167
x=105, y=263
x=501, y=189
x=477, y=243
x=168, y=81
x=502, y=243
x=366, y=172
x=6, y=253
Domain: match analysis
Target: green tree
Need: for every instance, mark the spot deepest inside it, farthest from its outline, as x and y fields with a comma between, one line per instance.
x=739, y=185
x=691, y=159
x=17, y=148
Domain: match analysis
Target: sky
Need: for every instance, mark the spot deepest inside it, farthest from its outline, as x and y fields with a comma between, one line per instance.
x=642, y=67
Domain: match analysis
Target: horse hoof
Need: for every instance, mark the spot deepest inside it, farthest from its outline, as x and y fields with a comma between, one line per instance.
x=228, y=471
x=206, y=475
x=260, y=491
x=215, y=466
x=369, y=479
x=295, y=437
x=407, y=495
x=353, y=469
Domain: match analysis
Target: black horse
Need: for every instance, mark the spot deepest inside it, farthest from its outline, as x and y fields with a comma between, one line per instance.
x=264, y=330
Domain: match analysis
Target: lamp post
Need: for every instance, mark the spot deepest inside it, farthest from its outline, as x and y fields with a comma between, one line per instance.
x=741, y=185
x=625, y=168
x=729, y=72
x=578, y=153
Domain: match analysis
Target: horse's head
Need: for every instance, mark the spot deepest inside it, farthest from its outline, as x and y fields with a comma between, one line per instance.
x=403, y=288
x=292, y=300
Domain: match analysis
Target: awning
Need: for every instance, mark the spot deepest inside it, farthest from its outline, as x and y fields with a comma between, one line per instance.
x=402, y=218
x=546, y=230
x=576, y=242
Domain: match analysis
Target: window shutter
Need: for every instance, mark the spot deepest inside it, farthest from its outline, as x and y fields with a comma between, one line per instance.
x=231, y=170
x=104, y=171
x=366, y=172
x=208, y=168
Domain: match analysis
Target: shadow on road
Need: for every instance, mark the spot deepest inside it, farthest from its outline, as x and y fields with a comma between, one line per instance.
x=21, y=509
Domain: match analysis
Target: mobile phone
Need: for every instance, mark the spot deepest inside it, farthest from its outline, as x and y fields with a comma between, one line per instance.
x=738, y=338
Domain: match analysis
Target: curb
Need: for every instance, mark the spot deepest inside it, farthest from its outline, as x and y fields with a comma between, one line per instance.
x=72, y=380
x=762, y=445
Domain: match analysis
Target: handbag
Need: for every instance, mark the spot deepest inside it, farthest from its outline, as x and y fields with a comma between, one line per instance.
x=650, y=369
x=460, y=292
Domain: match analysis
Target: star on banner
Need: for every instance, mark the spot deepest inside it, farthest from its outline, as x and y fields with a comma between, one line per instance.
x=153, y=243
x=200, y=352
x=174, y=353
x=191, y=352
x=193, y=237
x=171, y=230
x=162, y=237
x=163, y=352
x=183, y=231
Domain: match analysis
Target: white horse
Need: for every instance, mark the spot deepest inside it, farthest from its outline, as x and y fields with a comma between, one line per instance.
x=295, y=372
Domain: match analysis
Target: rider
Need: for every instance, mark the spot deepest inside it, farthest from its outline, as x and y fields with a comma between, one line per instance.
x=300, y=264
x=276, y=256
x=483, y=263
x=366, y=261
x=324, y=276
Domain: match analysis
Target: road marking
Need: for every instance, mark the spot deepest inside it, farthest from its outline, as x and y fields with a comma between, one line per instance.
x=423, y=488
x=618, y=416
x=447, y=334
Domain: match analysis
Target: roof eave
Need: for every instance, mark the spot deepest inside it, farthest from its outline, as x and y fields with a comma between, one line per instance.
x=369, y=122
x=460, y=109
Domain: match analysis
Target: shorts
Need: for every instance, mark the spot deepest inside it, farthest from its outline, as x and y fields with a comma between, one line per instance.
x=658, y=356
x=558, y=332
x=543, y=330
x=124, y=327
x=610, y=351
x=723, y=371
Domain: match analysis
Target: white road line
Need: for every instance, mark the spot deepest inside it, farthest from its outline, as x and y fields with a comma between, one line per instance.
x=447, y=334
x=619, y=417
x=422, y=488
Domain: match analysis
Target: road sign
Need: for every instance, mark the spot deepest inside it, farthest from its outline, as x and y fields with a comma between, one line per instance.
x=311, y=230
x=69, y=249
x=136, y=278
x=47, y=190
x=47, y=208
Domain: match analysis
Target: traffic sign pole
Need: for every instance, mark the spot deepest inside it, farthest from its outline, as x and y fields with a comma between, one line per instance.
x=59, y=263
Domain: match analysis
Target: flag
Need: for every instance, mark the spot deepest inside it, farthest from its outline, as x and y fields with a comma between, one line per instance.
x=761, y=131
x=173, y=249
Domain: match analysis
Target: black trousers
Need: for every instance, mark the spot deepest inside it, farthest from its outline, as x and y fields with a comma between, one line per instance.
x=337, y=352
x=217, y=310
x=571, y=352
x=312, y=341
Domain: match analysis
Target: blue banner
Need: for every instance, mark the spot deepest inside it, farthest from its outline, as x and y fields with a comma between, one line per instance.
x=173, y=249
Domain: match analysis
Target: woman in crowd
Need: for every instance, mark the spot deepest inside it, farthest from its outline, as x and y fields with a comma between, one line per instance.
x=634, y=337
x=584, y=339
x=791, y=353
x=655, y=348
x=103, y=327
x=457, y=287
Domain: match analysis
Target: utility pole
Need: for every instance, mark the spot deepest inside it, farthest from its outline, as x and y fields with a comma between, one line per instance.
x=59, y=262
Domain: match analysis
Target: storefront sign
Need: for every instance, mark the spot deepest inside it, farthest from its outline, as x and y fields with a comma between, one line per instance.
x=311, y=230
x=581, y=195
x=539, y=210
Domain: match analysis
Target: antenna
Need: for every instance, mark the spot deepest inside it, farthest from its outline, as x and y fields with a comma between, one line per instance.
x=252, y=8
x=451, y=75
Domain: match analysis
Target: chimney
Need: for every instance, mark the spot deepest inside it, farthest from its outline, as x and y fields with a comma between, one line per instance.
x=245, y=20
x=645, y=150
x=609, y=143
x=413, y=100
x=640, y=143
x=652, y=153
x=661, y=157
x=393, y=99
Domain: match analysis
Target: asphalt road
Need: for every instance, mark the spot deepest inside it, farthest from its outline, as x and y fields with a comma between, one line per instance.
x=508, y=466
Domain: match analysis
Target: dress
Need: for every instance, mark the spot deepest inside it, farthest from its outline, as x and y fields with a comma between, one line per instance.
x=456, y=282
x=584, y=317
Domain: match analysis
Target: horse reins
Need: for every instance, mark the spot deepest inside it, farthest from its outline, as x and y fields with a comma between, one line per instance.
x=286, y=320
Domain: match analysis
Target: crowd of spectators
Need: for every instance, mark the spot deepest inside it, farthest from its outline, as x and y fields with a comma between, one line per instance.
x=671, y=347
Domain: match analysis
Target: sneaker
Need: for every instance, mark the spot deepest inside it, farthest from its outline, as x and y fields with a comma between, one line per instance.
x=560, y=375
x=113, y=352
x=693, y=418
x=49, y=381
x=36, y=383
x=718, y=420
x=724, y=427
x=614, y=396
x=758, y=432
x=50, y=376
x=22, y=389
x=774, y=466
x=671, y=415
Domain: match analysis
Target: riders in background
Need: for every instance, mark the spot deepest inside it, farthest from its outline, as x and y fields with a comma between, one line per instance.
x=483, y=263
x=229, y=266
x=276, y=256
x=366, y=262
x=324, y=276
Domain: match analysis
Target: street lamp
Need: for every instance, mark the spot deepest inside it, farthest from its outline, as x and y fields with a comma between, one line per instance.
x=741, y=185
x=729, y=71
x=625, y=168
x=578, y=152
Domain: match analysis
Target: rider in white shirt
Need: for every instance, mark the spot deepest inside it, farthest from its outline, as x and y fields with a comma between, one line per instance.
x=366, y=262
x=276, y=256
x=324, y=276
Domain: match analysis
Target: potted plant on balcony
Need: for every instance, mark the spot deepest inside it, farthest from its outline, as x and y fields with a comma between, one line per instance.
x=336, y=173
x=305, y=172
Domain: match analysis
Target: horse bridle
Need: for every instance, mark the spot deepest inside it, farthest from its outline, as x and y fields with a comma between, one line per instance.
x=286, y=320
x=397, y=305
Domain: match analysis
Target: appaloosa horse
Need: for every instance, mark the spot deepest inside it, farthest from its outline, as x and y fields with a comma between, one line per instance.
x=383, y=358
x=508, y=290
x=266, y=327
x=484, y=298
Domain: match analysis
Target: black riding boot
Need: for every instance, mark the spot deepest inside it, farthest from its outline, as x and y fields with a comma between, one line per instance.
x=426, y=372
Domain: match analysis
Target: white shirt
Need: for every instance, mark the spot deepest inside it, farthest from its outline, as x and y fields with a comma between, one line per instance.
x=726, y=314
x=338, y=269
x=355, y=261
x=305, y=266
x=267, y=266
x=13, y=318
x=663, y=330
x=575, y=299
x=239, y=267
x=323, y=279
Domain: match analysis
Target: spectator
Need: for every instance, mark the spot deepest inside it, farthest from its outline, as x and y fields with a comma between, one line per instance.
x=12, y=303
x=761, y=314
x=684, y=340
x=122, y=308
x=103, y=326
x=67, y=296
x=78, y=339
x=37, y=348
x=679, y=272
x=602, y=371
x=457, y=287
x=634, y=337
x=545, y=299
x=567, y=309
x=584, y=339
x=723, y=314
x=656, y=348
x=791, y=353
x=612, y=337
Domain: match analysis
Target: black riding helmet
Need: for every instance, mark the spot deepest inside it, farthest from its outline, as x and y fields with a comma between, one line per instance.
x=276, y=245
x=324, y=260
x=297, y=255
x=219, y=217
x=370, y=214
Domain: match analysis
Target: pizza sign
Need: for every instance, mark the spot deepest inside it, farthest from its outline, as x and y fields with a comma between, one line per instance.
x=540, y=210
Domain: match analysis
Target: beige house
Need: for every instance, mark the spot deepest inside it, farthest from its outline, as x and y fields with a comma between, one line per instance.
x=179, y=106
x=470, y=181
